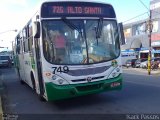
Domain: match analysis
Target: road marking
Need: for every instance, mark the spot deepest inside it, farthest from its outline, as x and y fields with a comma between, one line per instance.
x=138, y=83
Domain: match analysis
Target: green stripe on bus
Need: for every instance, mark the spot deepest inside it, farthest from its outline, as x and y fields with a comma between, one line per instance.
x=32, y=62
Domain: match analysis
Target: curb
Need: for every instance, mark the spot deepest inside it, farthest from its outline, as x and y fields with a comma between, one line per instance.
x=1, y=111
x=146, y=71
x=1, y=87
x=157, y=72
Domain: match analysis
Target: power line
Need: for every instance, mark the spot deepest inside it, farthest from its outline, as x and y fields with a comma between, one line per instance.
x=148, y=8
x=143, y=13
x=135, y=17
x=144, y=5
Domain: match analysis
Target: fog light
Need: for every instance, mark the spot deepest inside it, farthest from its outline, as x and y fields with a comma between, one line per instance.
x=54, y=77
x=60, y=81
x=117, y=69
x=113, y=74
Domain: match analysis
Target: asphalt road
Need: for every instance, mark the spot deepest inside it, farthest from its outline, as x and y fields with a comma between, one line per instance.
x=140, y=94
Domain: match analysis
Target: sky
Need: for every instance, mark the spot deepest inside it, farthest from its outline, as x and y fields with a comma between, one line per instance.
x=14, y=14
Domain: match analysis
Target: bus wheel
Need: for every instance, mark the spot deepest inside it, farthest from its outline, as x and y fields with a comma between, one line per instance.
x=33, y=82
x=41, y=98
x=21, y=81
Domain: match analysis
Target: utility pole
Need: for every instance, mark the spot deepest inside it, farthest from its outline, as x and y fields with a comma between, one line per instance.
x=149, y=27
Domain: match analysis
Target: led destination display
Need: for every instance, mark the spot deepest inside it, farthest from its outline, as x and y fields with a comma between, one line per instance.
x=78, y=9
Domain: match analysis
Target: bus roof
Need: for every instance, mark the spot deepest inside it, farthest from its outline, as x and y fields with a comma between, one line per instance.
x=91, y=1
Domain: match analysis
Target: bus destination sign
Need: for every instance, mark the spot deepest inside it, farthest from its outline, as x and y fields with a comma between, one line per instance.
x=78, y=9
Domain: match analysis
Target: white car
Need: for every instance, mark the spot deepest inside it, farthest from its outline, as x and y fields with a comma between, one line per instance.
x=144, y=64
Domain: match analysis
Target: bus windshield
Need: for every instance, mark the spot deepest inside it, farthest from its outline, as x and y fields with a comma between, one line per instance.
x=80, y=41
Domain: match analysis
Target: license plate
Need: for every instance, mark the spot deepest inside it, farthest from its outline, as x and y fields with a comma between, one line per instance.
x=115, y=84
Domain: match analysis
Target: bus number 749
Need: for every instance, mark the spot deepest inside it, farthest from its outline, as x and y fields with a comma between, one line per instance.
x=61, y=69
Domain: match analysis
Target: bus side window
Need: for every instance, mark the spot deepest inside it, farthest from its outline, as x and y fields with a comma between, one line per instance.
x=30, y=36
x=18, y=45
x=25, y=40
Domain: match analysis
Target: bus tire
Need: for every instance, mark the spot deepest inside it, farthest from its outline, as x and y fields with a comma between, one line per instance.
x=22, y=82
x=19, y=77
x=41, y=98
x=33, y=82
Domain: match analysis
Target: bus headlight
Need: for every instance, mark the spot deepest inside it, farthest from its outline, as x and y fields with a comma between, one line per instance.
x=58, y=80
x=115, y=73
x=118, y=69
x=54, y=77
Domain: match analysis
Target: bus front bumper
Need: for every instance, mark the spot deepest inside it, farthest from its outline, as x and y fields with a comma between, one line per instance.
x=57, y=92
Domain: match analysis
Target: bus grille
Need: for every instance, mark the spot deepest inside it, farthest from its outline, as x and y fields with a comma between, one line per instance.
x=93, y=78
x=88, y=71
x=89, y=87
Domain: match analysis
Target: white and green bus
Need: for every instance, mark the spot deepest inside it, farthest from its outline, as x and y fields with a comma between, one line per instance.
x=69, y=49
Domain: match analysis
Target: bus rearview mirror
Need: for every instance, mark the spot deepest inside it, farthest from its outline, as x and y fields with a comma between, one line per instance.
x=36, y=29
x=122, y=37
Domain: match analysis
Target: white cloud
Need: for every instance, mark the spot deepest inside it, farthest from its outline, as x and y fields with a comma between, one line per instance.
x=14, y=2
x=14, y=14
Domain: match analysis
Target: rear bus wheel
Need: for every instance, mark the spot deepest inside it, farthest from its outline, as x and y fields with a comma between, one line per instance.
x=33, y=82
x=41, y=98
x=19, y=77
x=22, y=82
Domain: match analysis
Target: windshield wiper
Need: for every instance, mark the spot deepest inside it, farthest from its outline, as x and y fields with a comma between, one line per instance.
x=98, y=29
x=70, y=24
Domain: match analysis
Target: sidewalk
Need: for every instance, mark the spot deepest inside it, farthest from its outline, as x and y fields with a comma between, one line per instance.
x=1, y=89
x=153, y=72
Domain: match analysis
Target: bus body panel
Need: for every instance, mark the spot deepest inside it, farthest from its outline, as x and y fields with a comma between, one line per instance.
x=55, y=92
x=28, y=68
x=21, y=67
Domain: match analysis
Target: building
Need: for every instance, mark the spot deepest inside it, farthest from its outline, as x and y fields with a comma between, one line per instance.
x=155, y=12
x=136, y=34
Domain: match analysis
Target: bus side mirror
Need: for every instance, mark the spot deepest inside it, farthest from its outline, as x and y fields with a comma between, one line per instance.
x=122, y=38
x=36, y=29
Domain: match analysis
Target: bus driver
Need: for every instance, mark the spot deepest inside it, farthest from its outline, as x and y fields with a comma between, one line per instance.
x=59, y=44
